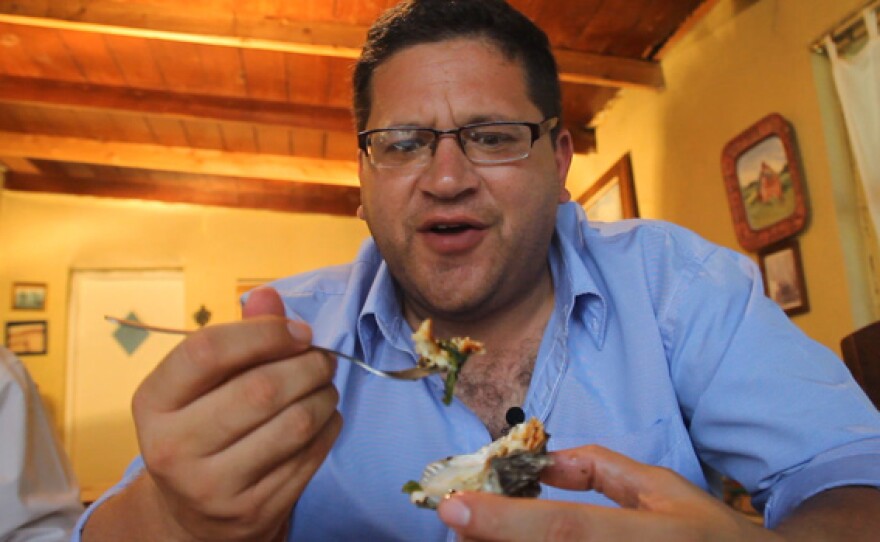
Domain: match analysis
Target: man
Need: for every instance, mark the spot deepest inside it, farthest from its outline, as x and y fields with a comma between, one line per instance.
x=39, y=496
x=647, y=352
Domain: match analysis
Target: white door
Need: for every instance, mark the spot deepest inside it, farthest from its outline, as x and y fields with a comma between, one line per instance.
x=106, y=363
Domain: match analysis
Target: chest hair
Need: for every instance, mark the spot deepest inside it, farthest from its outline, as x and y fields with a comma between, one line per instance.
x=491, y=383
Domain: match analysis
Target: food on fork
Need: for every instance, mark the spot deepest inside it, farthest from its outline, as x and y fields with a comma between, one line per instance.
x=444, y=355
x=509, y=466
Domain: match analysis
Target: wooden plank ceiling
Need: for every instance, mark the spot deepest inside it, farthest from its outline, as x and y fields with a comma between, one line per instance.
x=245, y=103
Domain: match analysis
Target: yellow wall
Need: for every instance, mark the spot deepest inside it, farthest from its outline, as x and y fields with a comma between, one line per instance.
x=735, y=67
x=43, y=237
x=740, y=63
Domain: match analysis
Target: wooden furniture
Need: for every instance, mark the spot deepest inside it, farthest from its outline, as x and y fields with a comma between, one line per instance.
x=861, y=353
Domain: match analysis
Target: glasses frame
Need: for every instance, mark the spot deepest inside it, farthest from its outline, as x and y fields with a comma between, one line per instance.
x=537, y=129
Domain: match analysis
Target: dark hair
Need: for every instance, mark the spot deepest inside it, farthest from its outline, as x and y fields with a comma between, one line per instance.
x=413, y=22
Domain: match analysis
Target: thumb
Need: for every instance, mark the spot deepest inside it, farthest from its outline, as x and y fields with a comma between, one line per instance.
x=263, y=301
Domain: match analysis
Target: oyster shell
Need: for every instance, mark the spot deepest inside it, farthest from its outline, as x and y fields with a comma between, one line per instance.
x=509, y=466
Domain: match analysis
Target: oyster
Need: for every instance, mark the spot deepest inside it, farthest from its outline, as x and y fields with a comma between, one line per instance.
x=509, y=466
x=444, y=355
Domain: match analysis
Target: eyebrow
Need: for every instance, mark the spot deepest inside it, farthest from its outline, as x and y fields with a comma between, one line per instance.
x=471, y=120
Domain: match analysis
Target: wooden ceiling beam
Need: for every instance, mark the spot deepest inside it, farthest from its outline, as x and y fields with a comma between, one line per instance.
x=290, y=36
x=18, y=165
x=216, y=39
x=180, y=159
x=607, y=71
x=231, y=192
x=69, y=95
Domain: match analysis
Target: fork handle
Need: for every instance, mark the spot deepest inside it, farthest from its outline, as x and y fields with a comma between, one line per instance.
x=357, y=361
x=159, y=329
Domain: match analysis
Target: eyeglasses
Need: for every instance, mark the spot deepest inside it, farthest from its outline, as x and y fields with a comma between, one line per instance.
x=483, y=142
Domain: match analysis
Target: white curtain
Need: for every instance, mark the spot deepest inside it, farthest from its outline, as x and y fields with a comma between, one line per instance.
x=857, y=79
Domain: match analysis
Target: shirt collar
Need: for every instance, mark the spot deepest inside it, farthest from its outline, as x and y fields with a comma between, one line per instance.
x=381, y=312
x=578, y=290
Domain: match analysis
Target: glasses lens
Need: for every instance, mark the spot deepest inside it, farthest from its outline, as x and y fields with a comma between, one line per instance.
x=398, y=147
x=497, y=142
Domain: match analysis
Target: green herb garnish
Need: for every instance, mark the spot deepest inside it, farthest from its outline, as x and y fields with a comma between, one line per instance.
x=456, y=362
x=410, y=487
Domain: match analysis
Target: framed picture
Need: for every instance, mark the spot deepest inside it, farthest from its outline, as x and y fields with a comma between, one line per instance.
x=27, y=338
x=783, y=275
x=764, y=183
x=29, y=296
x=613, y=195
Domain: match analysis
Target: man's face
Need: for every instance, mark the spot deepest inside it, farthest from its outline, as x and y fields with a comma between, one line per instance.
x=462, y=239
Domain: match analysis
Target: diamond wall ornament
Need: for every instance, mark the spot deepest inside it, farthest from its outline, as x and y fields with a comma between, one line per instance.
x=130, y=338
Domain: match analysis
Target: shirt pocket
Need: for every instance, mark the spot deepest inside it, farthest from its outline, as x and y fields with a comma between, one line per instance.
x=652, y=444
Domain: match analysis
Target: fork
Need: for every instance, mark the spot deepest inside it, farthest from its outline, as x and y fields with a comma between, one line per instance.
x=414, y=373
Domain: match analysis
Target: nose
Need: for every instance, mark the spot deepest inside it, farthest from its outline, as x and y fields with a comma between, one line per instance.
x=450, y=173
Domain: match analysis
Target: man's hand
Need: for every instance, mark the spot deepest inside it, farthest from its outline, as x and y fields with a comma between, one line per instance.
x=232, y=425
x=656, y=505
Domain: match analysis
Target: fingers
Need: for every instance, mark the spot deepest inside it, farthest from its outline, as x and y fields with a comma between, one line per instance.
x=269, y=501
x=252, y=512
x=267, y=302
x=212, y=355
x=246, y=402
x=280, y=438
x=287, y=481
x=263, y=301
x=248, y=480
x=657, y=504
x=627, y=482
x=487, y=517
x=235, y=421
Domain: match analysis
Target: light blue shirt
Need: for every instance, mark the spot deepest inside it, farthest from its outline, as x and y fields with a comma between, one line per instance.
x=661, y=346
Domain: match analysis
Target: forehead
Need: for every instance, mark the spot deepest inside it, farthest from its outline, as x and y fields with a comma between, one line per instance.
x=449, y=82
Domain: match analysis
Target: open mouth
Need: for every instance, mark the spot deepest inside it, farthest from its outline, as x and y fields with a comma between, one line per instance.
x=450, y=229
x=452, y=235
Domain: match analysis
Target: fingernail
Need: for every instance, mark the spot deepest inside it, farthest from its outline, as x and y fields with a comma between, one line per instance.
x=455, y=513
x=299, y=331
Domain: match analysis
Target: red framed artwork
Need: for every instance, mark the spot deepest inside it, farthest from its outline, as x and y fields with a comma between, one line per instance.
x=27, y=338
x=764, y=183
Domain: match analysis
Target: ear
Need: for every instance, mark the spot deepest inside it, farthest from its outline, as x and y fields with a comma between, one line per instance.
x=563, y=155
x=361, y=159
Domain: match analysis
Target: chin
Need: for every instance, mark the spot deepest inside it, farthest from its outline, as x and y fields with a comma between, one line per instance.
x=458, y=292
x=459, y=303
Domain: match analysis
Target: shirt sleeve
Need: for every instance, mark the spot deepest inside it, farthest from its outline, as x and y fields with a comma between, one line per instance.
x=765, y=404
x=39, y=496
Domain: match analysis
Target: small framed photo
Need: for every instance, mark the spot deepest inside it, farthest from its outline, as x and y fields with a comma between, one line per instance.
x=29, y=296
x=783, y=274
x=27, y=338
x=613, y=195
x=764, y=183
